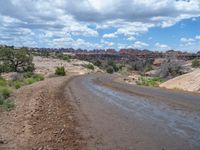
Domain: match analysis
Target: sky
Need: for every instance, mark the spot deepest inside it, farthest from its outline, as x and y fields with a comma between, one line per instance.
x=100, y=24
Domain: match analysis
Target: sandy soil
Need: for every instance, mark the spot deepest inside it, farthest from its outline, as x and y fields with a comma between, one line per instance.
x=186, y=82
x=43, y=119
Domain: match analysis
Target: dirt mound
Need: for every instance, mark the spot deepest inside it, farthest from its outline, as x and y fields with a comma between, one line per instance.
x=186, y=82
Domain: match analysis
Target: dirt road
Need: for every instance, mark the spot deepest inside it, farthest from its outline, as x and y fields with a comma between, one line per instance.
x=127, y=117
x=93, y=112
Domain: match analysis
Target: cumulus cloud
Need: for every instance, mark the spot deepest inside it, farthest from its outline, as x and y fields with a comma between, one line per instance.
x=121, y=45
x=57, y=22
x=130, y=10
x=187, y=40
x=106, y=44
x=131, y=38
x=197, y=37
x=110, y=35
x=190, y=43
x=139, y=44
x=38, y=20
x=162, y=46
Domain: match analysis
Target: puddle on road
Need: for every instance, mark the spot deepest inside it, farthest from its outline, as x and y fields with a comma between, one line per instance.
x=184, y=124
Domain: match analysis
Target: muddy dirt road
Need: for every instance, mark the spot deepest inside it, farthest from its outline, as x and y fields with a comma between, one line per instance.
x=127, y=117
x=94, y=112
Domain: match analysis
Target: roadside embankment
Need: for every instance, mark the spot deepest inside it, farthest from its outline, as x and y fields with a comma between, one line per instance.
x=187, y=82
x=43, y=119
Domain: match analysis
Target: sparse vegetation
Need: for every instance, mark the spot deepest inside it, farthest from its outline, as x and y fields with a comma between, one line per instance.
x=28, y=78
x=29, y=81
x=66, y=58
x=98, y=63
x=142, y=66
x=60, y=71
x=89, y=66
x=113, y=65
x=5, y=92
x=6, y=87
x=148, y=68
x=147, y=81
x=45, y=54
x=18, y=84
x=7, y=104
x=61, y=56
x=3, y=82
x=170, y=68
x=196, y=63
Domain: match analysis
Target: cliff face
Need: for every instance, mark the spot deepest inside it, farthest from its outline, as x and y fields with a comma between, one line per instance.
x=186, y=82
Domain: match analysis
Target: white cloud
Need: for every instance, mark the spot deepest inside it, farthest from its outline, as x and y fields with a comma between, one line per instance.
x=190, y=43
x=194, y=19
x=197, y=37
x=110, y=35
x=121, y=45
x=131, y=38
x=139, y=44
x=133, y=29
x=79, y=43
x=39, y=22
x=191, y=46
x=106, y=44
x=187, y=40
x=162, y=46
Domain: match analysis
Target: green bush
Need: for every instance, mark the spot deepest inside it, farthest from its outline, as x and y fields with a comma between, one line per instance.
x=38, y=77
x=29, y=81
x=5, y=92
x=110, y=70
x=149, y=81
x=29, y=78
x=66, y=58
x=1, y=101
x=98, y=63
x=28, y=74
x=89, y=66
x=8, y=104
x=3, y=82
x=113, y=65
x=60, y=71
x=121, y=66
x=60, y=55
x=196, y=63
x=18, y=84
